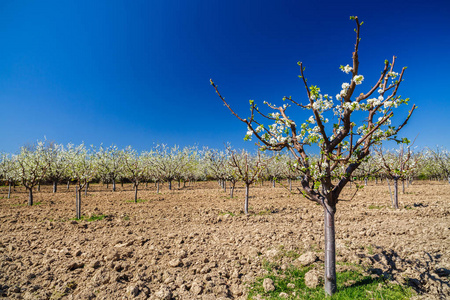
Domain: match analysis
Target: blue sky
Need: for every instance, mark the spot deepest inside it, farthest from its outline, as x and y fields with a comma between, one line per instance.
x=137, y=72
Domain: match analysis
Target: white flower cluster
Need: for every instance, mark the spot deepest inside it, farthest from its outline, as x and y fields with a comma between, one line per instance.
x=358, y=79
x=344, y=90
x=347, y=69
x=393, y=74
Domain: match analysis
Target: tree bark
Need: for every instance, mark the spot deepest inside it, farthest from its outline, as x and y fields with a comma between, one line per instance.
x=330, y=251
x=247, y=185
x=170, y=185
x=9, y=190
x=135, y=191
x=396, y=193
x=114, y=185
x=68, y=184
x=365, y=181
x=231, y=191
x=30, y=197
x=55, y=186
x=273, y=183
x=39, y=187
x=78, y=202
x=86, y=188
x=157, y=187
x=290, y=184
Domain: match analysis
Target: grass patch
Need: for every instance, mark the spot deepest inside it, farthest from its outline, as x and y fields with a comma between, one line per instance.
x=376, y=206
x=352, y=284
x=26, y=204
x=227, y=213
x=89, y=219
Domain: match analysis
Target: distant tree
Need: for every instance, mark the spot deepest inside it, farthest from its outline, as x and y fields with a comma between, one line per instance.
x=82, y=169
x=397, y=165
x=110, y=164
x=247, y=169
x=8, y=170
x=341, y=144
x=134, y=168
x=32, y=166
x=57, y=164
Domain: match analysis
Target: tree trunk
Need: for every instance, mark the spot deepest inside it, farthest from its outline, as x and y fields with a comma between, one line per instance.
x=85, y=189
x=224, y=185
x=78, y=202
x=290, y=184
x=30, y=197
x=273, y=183
x=9, y=190
x=39, y=187
x=170, y=185
x=365, y=181
x=68, y=184
x=157, y=187
x=330, y=251
x=135, y=192
x=121, y=183
x=396, y=193
x=403, y=186
x=55, y=186
x=114, y=185
x=179, y=183
x=107, y=185
x=247, y=185
x=231, y=190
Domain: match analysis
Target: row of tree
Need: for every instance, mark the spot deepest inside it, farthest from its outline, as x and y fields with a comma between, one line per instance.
x=56, y=163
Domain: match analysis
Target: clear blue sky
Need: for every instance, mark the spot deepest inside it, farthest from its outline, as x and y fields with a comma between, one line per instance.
x=137, y=72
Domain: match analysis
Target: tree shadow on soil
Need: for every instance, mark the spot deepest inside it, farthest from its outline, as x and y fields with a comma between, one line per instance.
x=419, y=274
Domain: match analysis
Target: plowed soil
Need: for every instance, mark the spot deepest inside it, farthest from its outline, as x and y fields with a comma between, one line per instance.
x=195, y=242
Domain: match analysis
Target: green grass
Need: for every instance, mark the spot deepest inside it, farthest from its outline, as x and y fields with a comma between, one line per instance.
x=375, y=207
x=25, y=204
x=89, y=219
x=227, y=213
x=352, y=284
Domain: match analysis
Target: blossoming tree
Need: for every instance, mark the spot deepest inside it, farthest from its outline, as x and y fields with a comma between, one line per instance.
x=341, y=146
x=32, y=166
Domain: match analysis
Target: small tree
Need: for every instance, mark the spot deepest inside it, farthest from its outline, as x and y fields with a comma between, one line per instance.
x=135, y=168
x=341, y=146
x=57, y=164
x=110, y=164
x=442, y=161
x=32, y=165
x=82, y=169
x=247, y=168
x=8, y=170
x=397, y=165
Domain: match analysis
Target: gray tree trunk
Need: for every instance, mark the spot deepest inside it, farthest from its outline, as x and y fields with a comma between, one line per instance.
x=396, y=193
x=170, y=185
x=365, y=181
x=78, y=202
x=135, y=192
x=157, y=187
x=290, y=184
x=403, y=186
x=114, y=185
x=273, y=183
x=247, y=186
x=68, y=184
x=9, y=190
x=55, y=186
x=86, y=188
x=30, y=197
x=390, y=193
x=330, y=251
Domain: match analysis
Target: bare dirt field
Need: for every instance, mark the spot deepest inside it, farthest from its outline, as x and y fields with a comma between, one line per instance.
x=195, y=243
